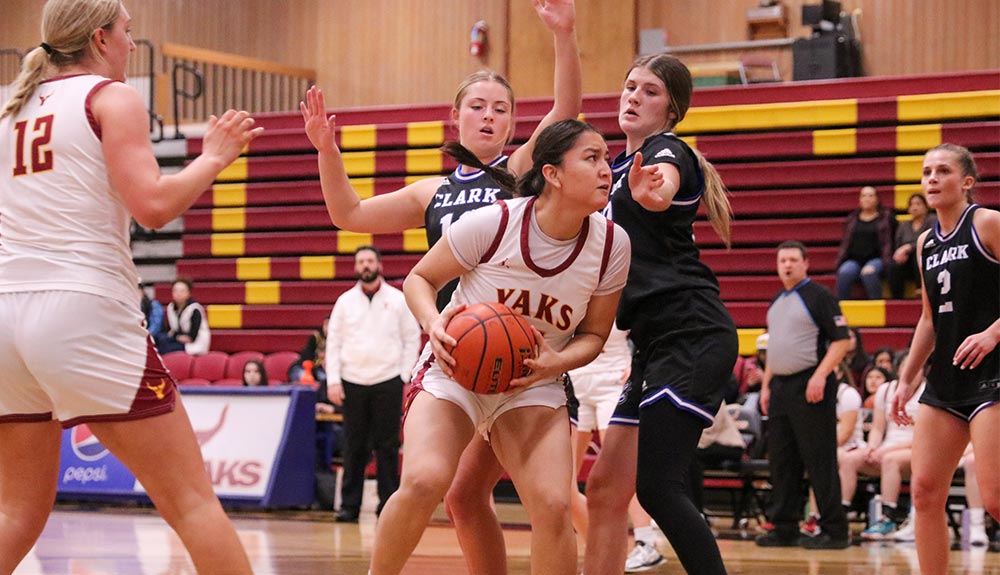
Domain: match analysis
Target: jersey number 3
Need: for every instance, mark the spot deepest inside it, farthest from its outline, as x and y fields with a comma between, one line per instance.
x=41, y=158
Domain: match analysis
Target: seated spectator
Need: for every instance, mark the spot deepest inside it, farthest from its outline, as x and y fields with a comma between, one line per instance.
x=857, y=359
x=904, y=266
x=254, y=374
x=887, y=454
x=152, y=311
x=314, y=352
x=875, y=378
x=186, y=328
x=885, y=358
x=719, y=443
x=866, y=249
x=753, y=369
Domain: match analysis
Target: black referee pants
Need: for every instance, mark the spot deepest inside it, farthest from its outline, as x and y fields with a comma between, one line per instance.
x=372, y=415
x=801, y=437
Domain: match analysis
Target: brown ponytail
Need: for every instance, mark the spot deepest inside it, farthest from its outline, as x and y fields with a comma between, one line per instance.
x=716, y=199
x=462, y=155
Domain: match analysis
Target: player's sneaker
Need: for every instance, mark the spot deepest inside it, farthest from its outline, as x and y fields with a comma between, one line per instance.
x=905, y=533
x=882, y=529
x=643, y=558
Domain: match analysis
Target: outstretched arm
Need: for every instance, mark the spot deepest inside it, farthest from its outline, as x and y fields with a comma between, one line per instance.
x=559, y=16
x=153, y=198
x=399, y=210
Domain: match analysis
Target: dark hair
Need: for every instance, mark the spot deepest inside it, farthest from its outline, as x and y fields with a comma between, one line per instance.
x=462, y=155
x=260, y=368
x=965, y=161
x=918, y=196
x=550, y=148
x=889, y=376
x=373, y=249
x=793, y=245
x=184, y=280
x=676, y=79
x=881, y=350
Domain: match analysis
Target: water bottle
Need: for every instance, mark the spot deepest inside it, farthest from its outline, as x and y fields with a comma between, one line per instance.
x=874, y=510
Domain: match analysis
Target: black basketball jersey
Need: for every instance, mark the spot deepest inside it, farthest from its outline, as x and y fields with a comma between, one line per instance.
x=665, y=260
x=962, y=279
x=458, y=194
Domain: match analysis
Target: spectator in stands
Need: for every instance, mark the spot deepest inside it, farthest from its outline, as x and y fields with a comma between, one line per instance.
x=73, y=347
x=885, y=358
x=808, y=338
x=857, y=358
x=960, y=323
x=254, y=374
x=370, y=349
x=314, y=352
x=875, y=378
x=886, y=454
x=904, y=266
x=568, y=182
x=186, y=328
x=483, y=116
x=753, y=369
x=866, y=249
x=152, y=310
x=680, y=366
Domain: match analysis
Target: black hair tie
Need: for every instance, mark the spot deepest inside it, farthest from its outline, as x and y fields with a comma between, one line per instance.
x=48, y=49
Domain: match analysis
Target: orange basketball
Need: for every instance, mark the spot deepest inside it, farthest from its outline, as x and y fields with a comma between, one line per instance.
x=493, y=342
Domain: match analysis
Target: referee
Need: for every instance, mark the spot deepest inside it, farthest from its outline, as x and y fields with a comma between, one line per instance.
x=808, y=337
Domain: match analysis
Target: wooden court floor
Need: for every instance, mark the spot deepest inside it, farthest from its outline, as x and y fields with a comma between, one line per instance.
x=113, y=541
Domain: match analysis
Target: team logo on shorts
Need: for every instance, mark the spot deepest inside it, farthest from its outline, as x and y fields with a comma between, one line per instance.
x=85, y=444
x=625, y=390
x=158, y=389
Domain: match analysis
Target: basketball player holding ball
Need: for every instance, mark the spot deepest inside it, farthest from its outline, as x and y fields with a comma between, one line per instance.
x=551, y=257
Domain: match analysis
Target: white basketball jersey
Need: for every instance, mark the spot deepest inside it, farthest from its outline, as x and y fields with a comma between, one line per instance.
x=62, y=226
x=548, y=281
x=614, y=358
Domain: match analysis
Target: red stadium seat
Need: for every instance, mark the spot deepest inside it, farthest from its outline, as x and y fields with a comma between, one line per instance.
x=211, y=366
x=277, y=364
x=228, y=382
x=178, y=363
x=234, y=367
x=195, y=382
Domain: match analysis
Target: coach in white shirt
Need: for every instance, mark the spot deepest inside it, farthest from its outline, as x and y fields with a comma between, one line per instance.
x=371, y=346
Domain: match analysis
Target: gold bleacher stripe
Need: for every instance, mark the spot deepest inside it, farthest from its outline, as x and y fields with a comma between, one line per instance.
x=229, y=219
x=348, y=242
x=316, y=267
x=423, y=161
x=357, y=137
x=228, y=244
x=413, y=179
x=909, y=168
x=253, y=269
x=229, y=195
x=237, y=171
x=948, y=105
x=425, y=133
x=364, y=187
x=748, y=339
x=835, y=142
x=917, y=138
x=691, y=141
x=770, y=116
x=263, y=292
x=225, y=316
x=415, y=240
x=869, y=313
x=903, y=193
x=359, y=163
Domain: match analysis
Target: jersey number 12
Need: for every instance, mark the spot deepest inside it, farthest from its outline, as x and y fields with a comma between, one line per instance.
x=41, y=158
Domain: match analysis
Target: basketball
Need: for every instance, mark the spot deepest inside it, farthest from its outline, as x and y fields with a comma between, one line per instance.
x=493, y=342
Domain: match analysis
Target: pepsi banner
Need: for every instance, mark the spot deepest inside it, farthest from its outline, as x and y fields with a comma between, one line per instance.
x=257, y=444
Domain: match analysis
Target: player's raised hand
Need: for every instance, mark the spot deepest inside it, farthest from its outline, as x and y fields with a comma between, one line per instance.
x=645, y=183
x=558, y=15
x=228, y=135
x=320, y=128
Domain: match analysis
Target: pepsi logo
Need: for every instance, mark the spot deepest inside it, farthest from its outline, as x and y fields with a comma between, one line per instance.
x=85, y=444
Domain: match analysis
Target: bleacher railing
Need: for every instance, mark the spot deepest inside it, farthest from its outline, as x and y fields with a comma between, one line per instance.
x=229, y=81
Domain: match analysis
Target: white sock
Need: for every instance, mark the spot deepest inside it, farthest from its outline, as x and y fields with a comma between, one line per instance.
x=976, y=515
x=646, y=535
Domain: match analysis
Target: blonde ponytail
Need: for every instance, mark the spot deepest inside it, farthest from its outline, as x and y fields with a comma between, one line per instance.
x=716, y=199
x=32, y=73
